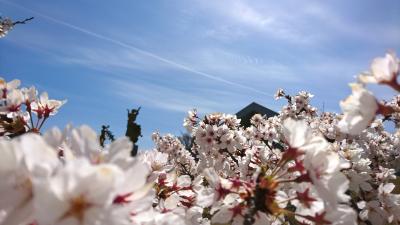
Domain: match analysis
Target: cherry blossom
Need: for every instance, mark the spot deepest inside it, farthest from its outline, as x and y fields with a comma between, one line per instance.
x=359, y=110
x=384, y=71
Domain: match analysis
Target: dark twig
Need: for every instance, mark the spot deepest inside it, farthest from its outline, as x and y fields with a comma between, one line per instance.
x=23, y=21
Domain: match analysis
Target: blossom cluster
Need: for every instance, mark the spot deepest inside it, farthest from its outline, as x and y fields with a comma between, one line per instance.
x=65, y=177
x=19, y=105
x=6, y=25
x=301, y=166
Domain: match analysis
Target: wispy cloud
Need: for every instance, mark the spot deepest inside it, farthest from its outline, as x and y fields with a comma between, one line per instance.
x=311, y=23
x=111, y=60
x=244, y=13
x=349, y=26
x=242, y=18
x=239, y=66
x=141, y=51
x=171, y=99
x=226, y=64
x=244, y=65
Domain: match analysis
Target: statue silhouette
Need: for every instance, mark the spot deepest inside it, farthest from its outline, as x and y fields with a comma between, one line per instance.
x=133, y=130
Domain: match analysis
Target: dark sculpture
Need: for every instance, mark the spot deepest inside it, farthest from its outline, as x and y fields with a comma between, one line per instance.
x=105, y=134
x=133, y=130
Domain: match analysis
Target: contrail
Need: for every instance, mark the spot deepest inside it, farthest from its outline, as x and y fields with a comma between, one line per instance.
x=141, y=51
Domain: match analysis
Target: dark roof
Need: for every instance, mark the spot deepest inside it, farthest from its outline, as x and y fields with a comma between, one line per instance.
x=249, y=111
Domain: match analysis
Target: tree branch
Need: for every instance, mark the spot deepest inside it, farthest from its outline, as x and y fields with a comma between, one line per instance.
x=23, y=21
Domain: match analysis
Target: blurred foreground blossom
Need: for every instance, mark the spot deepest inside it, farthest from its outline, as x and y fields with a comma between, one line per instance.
x=383, y=71
x=359, y=110
x=83, y=185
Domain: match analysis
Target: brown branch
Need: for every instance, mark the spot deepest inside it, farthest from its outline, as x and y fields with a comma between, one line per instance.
x=23, y=21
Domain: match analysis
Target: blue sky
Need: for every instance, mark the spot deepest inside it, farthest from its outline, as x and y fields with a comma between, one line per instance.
x=169, y=56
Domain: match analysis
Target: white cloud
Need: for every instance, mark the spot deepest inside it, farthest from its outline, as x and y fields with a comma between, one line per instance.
x=345, y=25
x=310, y=23
x=246, y=14
x=112, y=60
x=241, y=71
x=168, y=98
x=155, y=56
x=263, y=17
x=243, y=67
x=239, y=67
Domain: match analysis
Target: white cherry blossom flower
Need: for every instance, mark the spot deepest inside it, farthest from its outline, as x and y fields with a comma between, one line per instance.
x=299, y=136
x=78, y=194
x=22, y=161
x=8, y=86
x=45, y=107
x=383, y=70
x=12, y=104
x=359, y=110
x=373, y=212
x=30, y=95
